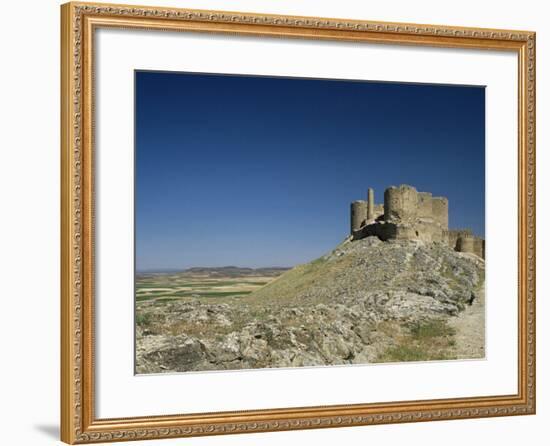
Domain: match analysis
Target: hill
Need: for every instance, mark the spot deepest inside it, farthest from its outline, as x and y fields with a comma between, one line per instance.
x=233, y=271
x=366, y=301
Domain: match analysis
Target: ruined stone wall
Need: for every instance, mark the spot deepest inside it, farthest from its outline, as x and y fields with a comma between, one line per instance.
x=358, y=215
x=454, y=234
x=479, y=247
x=463, y=240
x=424, y=231
x=384, y=231
x=378, y=211
x=400, y=203
x=424, y=205
x=440, y=211
x=466, y=243
x=428, y=232
x=411, y=215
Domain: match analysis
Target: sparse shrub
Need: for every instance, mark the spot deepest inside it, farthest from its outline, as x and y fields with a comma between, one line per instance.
x=143, y=319
x=427, y=341
x=431, y=329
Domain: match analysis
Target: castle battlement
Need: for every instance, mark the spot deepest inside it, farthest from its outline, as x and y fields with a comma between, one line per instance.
x=408, y=214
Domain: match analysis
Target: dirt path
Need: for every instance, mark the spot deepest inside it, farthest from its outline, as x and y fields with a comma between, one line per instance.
x=470, y=330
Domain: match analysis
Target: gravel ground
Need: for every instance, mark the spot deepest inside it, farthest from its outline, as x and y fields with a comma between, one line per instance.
x=470, y=330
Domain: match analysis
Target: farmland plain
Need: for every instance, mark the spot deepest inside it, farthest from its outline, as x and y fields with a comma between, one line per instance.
x=202, y=283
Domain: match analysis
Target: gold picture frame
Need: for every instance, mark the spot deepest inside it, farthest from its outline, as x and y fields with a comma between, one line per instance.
x=78, y=422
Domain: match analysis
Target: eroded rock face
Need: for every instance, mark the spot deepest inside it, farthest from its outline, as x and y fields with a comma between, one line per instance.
x=331, y=311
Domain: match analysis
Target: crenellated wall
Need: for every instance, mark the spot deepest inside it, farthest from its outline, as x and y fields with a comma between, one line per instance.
x=463, y=240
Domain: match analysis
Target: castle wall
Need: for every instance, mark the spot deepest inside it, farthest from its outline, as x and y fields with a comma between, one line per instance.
x=429, y=232
x=400, y=203
x=424, y=205
x=463, y=240
x=440, y=211
x=466, y=243
x=358, y=215
x=411, y=215
x=453, y=235
x=384, y=231
x=479, y=247
x=424, y=231
x=378, y=211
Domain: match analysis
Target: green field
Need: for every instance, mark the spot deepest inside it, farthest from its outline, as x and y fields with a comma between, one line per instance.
x=170, y=287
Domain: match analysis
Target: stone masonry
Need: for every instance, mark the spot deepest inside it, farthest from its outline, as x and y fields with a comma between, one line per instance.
x=411, y=215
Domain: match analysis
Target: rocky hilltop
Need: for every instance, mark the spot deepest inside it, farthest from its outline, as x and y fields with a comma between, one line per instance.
x=366, y=301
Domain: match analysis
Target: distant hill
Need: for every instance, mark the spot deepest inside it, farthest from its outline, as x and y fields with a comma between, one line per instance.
x=234, y=271
x=219, y=271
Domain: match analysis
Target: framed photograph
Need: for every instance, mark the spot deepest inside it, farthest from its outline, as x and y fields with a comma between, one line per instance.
x=275, y=223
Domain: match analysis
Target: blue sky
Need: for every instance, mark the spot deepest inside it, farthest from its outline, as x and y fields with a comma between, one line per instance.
x=260, y=171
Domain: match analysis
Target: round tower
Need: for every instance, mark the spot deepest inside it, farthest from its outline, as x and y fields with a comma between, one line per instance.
x=358, y=215
x=400, y=203
x=466, y=243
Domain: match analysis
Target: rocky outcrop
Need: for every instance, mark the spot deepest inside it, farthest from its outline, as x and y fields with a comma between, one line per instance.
x=344, y=308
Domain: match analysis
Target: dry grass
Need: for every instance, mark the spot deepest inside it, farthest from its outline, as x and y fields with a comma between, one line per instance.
x=429, y=341
x=293, y=288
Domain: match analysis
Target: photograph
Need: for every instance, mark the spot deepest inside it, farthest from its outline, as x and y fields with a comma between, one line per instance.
x=278, y=221
x=286, y=222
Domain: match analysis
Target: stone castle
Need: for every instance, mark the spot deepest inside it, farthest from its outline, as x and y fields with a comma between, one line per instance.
x=411, y=215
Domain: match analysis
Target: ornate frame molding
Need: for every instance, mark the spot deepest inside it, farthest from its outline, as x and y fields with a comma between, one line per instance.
x=78, y=424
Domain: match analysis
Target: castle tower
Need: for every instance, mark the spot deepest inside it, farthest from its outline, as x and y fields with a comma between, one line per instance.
x=370, y=205
x=358, y=215
x=440, y=211
x=400, y=203
x=466, y=243
x=424, y=205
